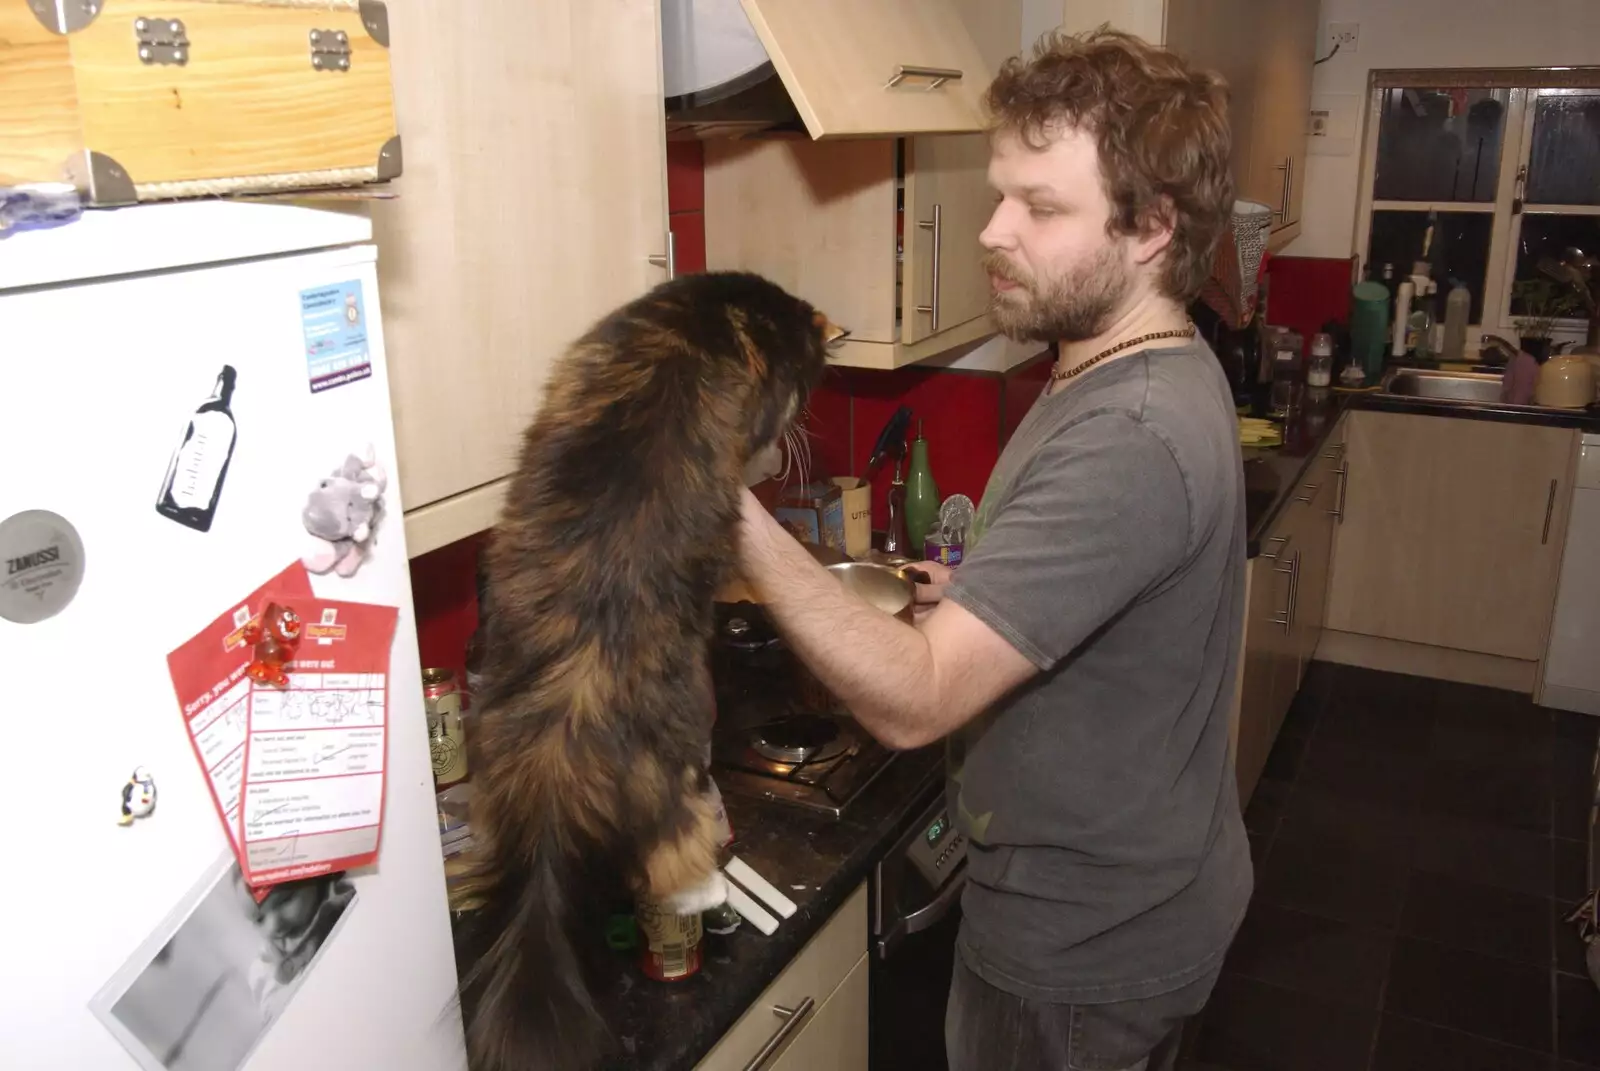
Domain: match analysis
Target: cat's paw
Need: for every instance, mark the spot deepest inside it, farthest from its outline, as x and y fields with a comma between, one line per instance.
x=697, y=898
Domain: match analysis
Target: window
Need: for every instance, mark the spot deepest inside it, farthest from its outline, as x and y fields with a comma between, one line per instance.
x=1491, y=172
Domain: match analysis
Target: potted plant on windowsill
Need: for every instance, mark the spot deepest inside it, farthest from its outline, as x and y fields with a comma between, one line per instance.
x=1544, y=301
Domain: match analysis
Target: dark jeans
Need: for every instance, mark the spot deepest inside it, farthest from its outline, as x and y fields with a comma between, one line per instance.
x=988, y=1029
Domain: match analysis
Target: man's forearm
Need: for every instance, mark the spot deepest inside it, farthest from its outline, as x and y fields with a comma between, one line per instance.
x=881, y=668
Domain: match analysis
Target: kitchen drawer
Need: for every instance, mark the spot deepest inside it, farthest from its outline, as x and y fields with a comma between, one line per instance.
x=836, y=1037
x=815, y=973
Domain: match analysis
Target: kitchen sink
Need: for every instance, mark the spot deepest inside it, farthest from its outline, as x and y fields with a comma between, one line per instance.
x=1443, y=386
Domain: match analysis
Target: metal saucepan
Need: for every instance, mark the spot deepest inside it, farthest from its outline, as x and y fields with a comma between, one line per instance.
x=883, y=586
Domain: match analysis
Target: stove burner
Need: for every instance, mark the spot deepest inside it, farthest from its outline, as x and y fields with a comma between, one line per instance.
x=799, y=739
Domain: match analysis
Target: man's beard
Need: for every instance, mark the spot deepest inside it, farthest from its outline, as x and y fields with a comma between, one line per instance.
x=1075, y=306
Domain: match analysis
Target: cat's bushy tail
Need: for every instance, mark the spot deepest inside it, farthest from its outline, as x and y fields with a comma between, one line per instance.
x=524, y=991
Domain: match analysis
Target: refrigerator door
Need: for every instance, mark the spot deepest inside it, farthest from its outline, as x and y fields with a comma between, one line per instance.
x=103, y=379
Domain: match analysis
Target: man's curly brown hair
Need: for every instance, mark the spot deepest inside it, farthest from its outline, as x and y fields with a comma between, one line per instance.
x=1161, y=128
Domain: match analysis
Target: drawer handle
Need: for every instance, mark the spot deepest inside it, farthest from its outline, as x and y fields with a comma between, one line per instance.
x=1549, y=508
x=792, y=1017
x=936, y=225
x=1311, y=492
x=1337, y=512
x=1275, y=539
x=940, y=75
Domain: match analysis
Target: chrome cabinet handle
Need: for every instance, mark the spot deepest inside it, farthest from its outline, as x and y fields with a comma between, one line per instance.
x=1274, y=539
x=1343, y=472
x=1549, y=508
x=1293, y=572
x=1288, y=196
x=1287, y=167
x=670, y=261
x=1311, y=492
x=792, y=1017
x=940, y=75
x=936, y=225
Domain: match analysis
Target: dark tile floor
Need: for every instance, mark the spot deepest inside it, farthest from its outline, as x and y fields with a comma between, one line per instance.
x=1418, y=845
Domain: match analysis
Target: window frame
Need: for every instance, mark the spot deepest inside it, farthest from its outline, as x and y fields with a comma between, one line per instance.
x=1524, y=87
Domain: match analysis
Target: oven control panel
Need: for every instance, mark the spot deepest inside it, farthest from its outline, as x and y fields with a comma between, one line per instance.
x=938, y=850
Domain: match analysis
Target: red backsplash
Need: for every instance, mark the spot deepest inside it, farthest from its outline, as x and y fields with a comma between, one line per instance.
x=1306, y=292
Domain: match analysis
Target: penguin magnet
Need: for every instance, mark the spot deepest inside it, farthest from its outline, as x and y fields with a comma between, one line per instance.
x=138, y=796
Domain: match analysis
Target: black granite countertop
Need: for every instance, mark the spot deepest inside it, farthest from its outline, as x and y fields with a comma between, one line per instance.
x=814, y=860
x=1272, y=474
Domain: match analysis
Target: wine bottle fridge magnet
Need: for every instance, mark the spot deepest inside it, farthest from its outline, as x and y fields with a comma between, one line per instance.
x=342, y=515
x=199, y=465
x=138, y=796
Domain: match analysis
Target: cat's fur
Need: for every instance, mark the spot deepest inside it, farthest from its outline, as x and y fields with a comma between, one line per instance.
x=590, y=741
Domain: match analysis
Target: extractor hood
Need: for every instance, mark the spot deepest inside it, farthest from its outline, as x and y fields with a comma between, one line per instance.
x=716, y=76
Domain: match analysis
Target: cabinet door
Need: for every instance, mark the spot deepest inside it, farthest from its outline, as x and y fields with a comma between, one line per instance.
x=947, y=207
x=1282, y=103
x=1450, y=532
x=1316, y=501
x=1267, y=684
x=838, y=58
x=836, y=1036
x=533, y=196
x=1223, y=36
x=817, y=218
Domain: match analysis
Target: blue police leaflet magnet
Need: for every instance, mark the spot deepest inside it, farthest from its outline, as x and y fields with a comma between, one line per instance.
x=334, y=320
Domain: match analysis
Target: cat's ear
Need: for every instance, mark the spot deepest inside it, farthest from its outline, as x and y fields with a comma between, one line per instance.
x=832, y=333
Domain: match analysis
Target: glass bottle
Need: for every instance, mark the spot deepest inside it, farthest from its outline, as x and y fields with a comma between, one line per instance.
x=922, y=495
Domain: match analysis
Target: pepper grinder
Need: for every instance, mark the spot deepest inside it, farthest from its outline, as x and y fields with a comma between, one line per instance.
x=894, y=538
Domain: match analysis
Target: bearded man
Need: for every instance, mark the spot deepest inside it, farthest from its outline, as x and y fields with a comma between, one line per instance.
x=1081, y=661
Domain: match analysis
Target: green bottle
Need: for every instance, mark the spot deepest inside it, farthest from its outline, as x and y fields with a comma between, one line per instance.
x=922, y=497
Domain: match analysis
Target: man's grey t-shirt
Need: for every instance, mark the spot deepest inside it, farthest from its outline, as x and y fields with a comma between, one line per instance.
x=1108, y=860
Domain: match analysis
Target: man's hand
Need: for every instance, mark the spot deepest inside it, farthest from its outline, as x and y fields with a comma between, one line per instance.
x=927, y=596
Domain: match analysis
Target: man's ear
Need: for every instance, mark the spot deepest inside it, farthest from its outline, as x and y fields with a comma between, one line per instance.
x=1154, y=233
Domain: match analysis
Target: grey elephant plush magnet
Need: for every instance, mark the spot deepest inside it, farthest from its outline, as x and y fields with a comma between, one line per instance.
x=342, y=515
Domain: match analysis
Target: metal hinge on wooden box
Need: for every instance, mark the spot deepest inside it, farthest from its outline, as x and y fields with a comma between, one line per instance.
x=140, y=100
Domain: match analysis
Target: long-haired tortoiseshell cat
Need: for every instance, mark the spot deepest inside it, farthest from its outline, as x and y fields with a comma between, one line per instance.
x=590, y=745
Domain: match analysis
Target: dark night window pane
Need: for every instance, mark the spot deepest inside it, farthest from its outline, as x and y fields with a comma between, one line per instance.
x=1564, y=167
x=1460, y=250
x=1439, y=144
x=1552, y=236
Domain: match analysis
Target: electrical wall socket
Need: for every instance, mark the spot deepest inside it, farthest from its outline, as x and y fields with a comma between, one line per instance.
x=1345, y=35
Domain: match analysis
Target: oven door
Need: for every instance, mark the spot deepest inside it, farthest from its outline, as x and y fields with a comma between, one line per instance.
x=916, y=913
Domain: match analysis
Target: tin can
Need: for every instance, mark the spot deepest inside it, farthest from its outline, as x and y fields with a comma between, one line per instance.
x=441, y=699
x=943, y=553
x=669, y=944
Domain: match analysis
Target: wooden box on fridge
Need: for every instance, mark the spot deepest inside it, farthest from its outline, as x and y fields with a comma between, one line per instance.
x=137, y=100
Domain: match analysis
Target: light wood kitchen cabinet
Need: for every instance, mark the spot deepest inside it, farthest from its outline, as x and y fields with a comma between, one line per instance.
x=836, y=1037
x=1266, y=52
x=533, y=197
x=1451, y=534
x=822, y=219
x=1286, y=608
x=814, y=1014
x=880, y=233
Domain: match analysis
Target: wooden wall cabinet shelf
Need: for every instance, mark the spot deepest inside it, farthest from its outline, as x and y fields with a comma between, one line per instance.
x=533, y=198
x=1286, y=607
x=826, y=984
x=1266, y=52
x=824, y=218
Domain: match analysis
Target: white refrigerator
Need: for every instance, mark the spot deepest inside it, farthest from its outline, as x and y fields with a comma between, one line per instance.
x=129, y=939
